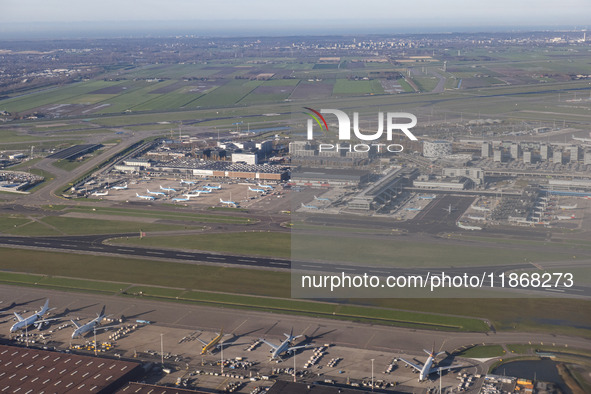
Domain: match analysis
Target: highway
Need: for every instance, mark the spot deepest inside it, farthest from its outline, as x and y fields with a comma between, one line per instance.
x=95, y=244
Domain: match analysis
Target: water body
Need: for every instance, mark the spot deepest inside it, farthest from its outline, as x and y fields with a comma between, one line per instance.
x=542, y=370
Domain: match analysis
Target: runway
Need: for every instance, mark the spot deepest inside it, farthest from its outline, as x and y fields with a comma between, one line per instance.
x=95, y=244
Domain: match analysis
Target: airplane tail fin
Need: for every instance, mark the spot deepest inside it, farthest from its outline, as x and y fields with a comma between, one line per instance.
x=102, y=311
x=45, y=307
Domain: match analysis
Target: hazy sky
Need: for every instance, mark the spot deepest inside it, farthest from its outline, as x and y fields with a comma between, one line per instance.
x=414, y=14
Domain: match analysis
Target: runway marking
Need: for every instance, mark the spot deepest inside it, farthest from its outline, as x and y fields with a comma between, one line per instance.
x=276, y=263
x=560, y=291
x=15, y=240
x=95, y=247
x=368, y=341
x=347, y=269
x=151, y=252
x=184, y=255
x=310, y=266
x=239, y=325
x=215, y=258
x=247, y=261
x=125, y=250
x=41, y=243
x=65, y=246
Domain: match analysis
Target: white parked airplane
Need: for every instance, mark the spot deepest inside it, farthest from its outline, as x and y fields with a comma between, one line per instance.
x=277, y=350
x=168, y=189
x=257, y=190
x=581, y=139
x=156, y=193
x=321, y=199
x=200, y=191
x=413, y=209
x=187, y=182
x=213, y=187
x=426, y=369
x=83, y=329
x=471, y=228
x=180, y=199
x=309, y=206
x=122, y=187
x=144, y=197
x=476, y=217
x=228, y=203
x=265, y=186
x=449, y=209
x=105, y=193
x=189, y=195
x=35, y=319
x=564, y=217
x=431, y=197
x=568, y=206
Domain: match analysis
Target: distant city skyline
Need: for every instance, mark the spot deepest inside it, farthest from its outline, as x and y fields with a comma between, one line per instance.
x=305, y=16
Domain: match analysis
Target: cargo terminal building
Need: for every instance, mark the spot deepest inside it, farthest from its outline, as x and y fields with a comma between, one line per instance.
x=325, y=177
x=216, y=169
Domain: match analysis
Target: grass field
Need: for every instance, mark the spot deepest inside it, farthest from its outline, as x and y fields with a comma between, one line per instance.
x=395, y=252
x=521, y=314
x=483, y=352
x=55, y=225
x=351, y=87
x=167, y=215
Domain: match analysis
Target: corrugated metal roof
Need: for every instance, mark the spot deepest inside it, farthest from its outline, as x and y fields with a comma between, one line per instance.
x=142, y=388
x=27, y=370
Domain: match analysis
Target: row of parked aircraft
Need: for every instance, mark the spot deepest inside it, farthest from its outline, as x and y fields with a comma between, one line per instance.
x=106, y=192
x=277, y=351
x=36, y=320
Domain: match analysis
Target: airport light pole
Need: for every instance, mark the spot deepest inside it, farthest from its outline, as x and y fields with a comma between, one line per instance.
x=372, y=374
x=222, y=356
x=294, y=366
x=162, y=349
x=94, y=329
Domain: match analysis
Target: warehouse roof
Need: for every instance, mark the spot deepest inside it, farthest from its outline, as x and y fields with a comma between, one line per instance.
x=28, y=370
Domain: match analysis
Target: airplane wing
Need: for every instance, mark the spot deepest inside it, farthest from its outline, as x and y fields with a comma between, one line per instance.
x=75, y=324
x=18, y=317
x=415, y=366
x=270, y=344
x=203, y=342
x=45, y=320
x=436, y=369
x=103, y=328
x=296, y=348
